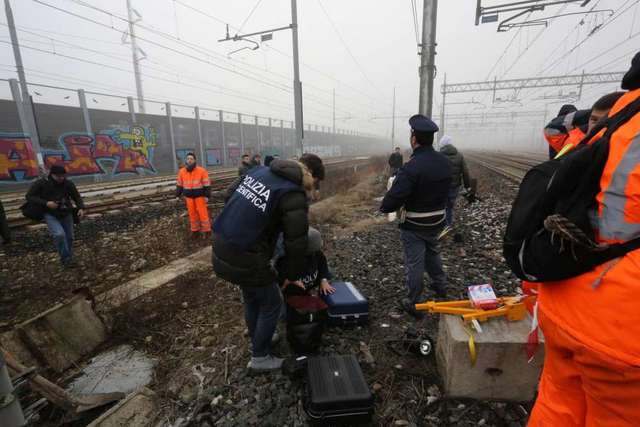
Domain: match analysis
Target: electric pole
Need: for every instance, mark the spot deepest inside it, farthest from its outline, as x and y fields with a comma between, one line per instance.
x=297, y=85
x=393, y=121
x=29, y=126
x=136, y=60
x=427, y=56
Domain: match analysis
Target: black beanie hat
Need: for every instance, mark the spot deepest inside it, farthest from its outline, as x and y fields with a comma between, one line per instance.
x=631, y=79
x=57, y=170
x=191, y=154
x=566, y=109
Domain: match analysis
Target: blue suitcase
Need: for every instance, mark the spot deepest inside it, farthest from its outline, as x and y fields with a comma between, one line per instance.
x=346, y=305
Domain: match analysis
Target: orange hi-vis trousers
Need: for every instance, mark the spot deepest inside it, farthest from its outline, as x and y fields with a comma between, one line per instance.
x=581, y=386
x=198, y=214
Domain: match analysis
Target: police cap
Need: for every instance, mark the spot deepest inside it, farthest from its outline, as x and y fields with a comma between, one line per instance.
x=422, y=123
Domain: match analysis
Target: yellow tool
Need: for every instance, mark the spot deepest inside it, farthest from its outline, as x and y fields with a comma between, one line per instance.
x=512, y=308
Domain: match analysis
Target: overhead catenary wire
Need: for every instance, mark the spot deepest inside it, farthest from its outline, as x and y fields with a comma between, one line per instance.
x=346, y=46
x=251, y=12
x=197, y=48
x=285, y=54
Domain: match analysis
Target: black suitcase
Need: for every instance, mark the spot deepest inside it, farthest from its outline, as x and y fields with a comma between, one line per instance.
x=337, y=393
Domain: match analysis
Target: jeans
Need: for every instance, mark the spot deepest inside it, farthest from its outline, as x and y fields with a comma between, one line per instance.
x=451, y=202
x=61, y=230
x=420, y=254
x=262, y=307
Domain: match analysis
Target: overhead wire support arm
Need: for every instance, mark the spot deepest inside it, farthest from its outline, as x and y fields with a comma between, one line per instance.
x=238, y=37
x=488, y=14
x=535, y=82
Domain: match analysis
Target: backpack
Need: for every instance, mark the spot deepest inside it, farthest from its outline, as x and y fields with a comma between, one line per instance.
x=549, y=233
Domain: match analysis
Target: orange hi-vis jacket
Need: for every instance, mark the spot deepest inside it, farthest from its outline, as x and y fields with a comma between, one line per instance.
x=193, y=183
x=600, y=307
x=567, y=129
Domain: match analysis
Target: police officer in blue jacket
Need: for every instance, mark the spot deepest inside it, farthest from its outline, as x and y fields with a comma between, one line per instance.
x=420, y=193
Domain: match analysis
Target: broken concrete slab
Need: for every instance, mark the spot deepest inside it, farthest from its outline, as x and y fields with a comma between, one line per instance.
x=139, y=409
x=62, y=335
x=121, y=369
x=501, y=372
x=154, y=279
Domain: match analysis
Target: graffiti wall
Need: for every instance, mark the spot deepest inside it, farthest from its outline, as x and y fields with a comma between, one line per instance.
x=124, y=150
x=17, y=158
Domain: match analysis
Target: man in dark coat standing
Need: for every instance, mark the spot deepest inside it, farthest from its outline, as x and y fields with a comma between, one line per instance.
x=459, y=177
x=395, y=161
x=420, y=192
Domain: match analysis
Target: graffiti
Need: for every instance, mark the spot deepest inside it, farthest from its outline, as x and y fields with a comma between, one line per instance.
x=112, y=152
x=109, y=152
x=17, y=158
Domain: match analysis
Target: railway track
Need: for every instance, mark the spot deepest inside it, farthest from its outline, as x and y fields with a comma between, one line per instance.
x=512, y=166
x=119, y=195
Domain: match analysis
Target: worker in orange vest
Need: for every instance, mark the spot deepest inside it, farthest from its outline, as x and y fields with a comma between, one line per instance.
x=193, y=183
x=591, y=322
x=568, y=129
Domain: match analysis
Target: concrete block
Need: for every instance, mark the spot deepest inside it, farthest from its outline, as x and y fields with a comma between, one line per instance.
x=501, y=372
x=139, y=409
x=62, y=335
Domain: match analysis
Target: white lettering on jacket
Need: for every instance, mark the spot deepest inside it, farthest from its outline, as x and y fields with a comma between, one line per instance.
x=255, y=192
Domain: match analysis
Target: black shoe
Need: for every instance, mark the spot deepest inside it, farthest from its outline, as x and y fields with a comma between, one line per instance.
x=410, y=309
x=440, y=291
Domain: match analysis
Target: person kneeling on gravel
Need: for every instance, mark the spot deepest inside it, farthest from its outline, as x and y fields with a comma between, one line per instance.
x=259, y=206
x=316, y=269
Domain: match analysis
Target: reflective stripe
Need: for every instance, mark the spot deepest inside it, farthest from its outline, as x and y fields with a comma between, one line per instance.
x=611, y=223
x=424, y=214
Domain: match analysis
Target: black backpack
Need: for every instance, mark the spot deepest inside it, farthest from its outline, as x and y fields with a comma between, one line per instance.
x=549, y=234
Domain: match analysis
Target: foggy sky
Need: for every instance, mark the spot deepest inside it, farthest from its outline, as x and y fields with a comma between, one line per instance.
x=380, y=53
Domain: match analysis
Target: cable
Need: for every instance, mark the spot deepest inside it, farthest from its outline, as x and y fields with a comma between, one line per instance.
x=170, y=37
x=335, y=29
x=596, y=30
x=414, y=12
x=255, y=6
x=269, y=47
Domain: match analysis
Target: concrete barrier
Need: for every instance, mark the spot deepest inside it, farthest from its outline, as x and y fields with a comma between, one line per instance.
x=501, y=372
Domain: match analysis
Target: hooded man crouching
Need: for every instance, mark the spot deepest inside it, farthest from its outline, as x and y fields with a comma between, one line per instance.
x=262, y=204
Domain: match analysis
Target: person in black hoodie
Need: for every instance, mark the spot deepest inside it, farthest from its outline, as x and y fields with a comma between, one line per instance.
x=316, y=272
x=459, y=177
x=54, y=194
x=259, y=206
x=4, y=227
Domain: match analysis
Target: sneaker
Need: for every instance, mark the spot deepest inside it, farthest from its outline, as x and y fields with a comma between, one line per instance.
x=264, y=364
x=446, y=230
x=410, y=309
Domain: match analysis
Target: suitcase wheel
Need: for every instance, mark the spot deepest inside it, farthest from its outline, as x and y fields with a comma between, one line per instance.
x=425, y=347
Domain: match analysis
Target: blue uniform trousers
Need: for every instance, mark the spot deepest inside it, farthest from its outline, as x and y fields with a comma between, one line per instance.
x=420, y=254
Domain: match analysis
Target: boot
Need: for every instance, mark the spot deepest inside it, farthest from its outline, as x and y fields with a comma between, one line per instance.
x=195, y=234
